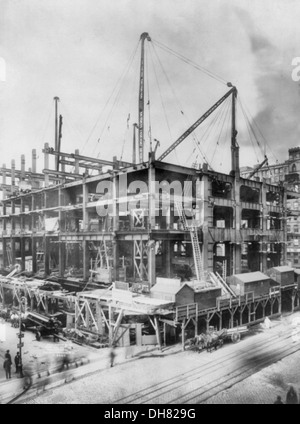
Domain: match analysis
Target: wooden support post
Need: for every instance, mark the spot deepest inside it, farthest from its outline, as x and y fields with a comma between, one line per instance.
x=110, y=332
x=272, y=303
x=165, y=336
x=157, y=332
x=207, y=319
x=32, y=302
x=221, y=323
x=231, y=323
x=46, y=305
x=3, y=297
x=264, y=304
x=293, y=301
x=195, y=321
x=183, y=334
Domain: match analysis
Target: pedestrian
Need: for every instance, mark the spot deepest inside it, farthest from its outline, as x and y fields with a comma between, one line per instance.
x=7, y=367
x=278, y=401
x=17, y=362
x=112, y=355
x=8, y=356
x=291, y=397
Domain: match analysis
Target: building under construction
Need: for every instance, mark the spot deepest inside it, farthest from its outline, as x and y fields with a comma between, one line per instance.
x=144, y=239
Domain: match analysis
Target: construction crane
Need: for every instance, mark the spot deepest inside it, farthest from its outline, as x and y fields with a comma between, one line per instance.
x=198, y=122
x=258, y=168
x=144, y=36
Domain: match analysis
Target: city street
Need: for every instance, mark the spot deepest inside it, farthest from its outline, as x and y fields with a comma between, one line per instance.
x=255, y=370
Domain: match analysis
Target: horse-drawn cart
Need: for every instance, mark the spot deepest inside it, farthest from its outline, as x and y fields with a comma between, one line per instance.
x=213, y=340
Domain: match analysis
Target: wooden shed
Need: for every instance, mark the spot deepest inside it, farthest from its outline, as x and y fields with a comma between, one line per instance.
x=172, y=290
x=297, y=277
x=284, y=275
x=255, y=282
x=206, y=298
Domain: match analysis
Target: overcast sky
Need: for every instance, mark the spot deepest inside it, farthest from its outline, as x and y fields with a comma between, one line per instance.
x=86, y=52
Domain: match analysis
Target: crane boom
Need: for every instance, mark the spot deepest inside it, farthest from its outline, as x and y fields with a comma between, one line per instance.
x=258, y=168
x=196, y=124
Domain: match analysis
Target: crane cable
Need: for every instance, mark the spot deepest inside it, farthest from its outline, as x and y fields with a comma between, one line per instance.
x=129, y=108
x=225, y=138
x=44, y=128
x=208, y=131
x=162, y=102
x=213, y=124
x=224, y=117
x=258, y=129
x=190, y=62
x=250, y=132
x=178, y=103
x=124, y=72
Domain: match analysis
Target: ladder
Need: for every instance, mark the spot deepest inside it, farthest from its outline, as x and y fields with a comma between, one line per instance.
x=217, y=279
x=102, y=256
x=198, y=260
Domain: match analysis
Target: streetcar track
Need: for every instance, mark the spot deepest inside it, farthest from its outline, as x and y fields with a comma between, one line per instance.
x=249, y=371
x=179, y=379
x=199, y=376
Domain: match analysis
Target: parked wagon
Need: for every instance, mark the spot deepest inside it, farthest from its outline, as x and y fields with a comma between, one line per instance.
x=234, y=334
x=213, y=340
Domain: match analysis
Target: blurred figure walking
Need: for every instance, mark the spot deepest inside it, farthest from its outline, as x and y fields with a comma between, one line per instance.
x=278, y=401
x=7, y=367
x=18, y=362
x=291, y=397
x=112, y=356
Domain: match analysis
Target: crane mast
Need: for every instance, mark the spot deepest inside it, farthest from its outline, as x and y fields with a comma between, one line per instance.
x=235, y=166
x=144, y=36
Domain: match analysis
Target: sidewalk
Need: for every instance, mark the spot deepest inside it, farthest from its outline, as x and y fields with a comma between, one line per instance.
x=42, y=357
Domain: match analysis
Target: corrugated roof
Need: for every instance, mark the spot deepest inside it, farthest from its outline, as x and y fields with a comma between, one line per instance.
x=251, y=277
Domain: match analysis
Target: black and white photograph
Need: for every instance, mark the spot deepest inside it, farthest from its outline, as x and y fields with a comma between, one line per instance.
x=149, y=204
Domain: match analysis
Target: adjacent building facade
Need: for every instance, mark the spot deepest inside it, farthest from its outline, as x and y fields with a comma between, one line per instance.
x=287, y=175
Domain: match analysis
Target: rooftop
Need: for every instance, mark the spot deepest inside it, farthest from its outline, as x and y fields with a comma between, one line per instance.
x=251, y=276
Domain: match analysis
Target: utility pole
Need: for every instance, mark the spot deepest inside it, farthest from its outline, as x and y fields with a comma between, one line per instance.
x=56, y=100
x=144, y=36
x=20, y=334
